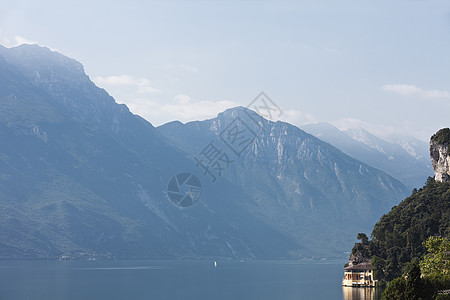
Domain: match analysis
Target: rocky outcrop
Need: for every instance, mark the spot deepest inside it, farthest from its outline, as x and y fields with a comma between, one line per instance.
x=358, y=258
x=440, y=155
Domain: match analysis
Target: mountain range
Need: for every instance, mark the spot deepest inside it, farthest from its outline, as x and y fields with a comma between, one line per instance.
x=83, y=177
x=296, y=182
x=406, y=159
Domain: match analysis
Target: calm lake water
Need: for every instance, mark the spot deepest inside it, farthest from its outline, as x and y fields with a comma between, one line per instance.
x=199, y=280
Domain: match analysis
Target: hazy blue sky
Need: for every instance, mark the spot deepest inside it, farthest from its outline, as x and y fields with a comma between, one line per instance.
x=383, y=65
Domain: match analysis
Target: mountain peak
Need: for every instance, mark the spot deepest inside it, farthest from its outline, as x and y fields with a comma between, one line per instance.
x=61, y=83
x=35, y=59
x=359, y=133
x=238, y=111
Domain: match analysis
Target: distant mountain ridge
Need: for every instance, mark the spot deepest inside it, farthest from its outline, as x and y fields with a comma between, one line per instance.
x=406, y=160
x=81, y=176
x=296, y=181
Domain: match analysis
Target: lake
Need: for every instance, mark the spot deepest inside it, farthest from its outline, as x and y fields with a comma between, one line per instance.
x=199, y=280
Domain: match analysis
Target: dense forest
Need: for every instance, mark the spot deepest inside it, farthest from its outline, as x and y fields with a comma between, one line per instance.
x=398, y=238
x=428, y=280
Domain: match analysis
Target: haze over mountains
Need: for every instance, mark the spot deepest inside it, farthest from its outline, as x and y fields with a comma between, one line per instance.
x=83, y=177
x=80, y=175
x=407, y=159
x=295, y=181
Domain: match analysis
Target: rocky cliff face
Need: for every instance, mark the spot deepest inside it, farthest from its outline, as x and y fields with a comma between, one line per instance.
x=311, y=191
x=440, y=155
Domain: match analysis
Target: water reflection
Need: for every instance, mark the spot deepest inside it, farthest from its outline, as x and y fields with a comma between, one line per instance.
x=361, y=293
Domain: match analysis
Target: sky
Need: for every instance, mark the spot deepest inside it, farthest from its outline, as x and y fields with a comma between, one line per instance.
x=381, y=65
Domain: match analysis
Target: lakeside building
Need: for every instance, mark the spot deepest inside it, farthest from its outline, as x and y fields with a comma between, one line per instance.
x=359, y=275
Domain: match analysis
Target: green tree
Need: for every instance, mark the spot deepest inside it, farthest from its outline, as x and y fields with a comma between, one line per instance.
x=437, y=260
x=377, y=264
x=395, y=290
x=413, y=288
x=363, y=238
